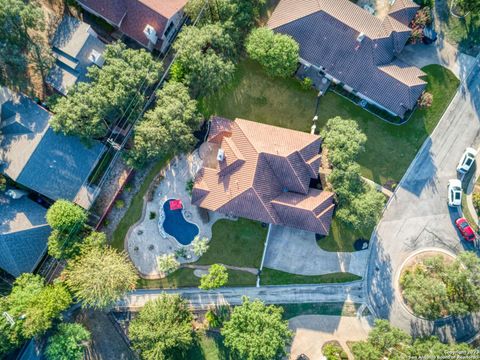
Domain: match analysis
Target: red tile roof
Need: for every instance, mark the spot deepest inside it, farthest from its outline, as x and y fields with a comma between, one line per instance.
x=133, y=15
x=265, y=175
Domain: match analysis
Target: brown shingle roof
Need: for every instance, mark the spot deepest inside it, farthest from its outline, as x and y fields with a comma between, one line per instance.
x=327, y=31
x=265, y=176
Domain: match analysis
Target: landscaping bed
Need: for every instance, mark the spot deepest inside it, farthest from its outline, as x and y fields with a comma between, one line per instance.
x=326, y=308
x=276, y=277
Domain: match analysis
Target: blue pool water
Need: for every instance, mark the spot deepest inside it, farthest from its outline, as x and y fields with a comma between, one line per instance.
x=176, y=225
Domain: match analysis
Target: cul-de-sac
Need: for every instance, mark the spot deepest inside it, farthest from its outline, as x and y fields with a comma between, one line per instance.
x=239, y=179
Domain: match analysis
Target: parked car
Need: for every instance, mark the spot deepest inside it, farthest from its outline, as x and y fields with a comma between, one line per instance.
x=467, y=160
x=302, y=357
x=454, y=192
x=465, y=229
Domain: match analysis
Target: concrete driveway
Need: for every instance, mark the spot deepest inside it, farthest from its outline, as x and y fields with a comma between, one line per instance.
x=296, y=251
x=312, y=331
x=418, y=217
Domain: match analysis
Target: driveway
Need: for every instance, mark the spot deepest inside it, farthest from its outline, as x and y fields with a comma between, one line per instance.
x=312, y=331
x=441, y=53
x=296, y=251
x=418, y=217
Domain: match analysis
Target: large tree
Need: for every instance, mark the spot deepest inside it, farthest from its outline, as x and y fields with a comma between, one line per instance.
x=344, y=141
x=204, y=57
x=257, y=331
x=68, y=342
x=468, y=6
x=19, y=20
x=168, y=128
x=115, y=90
x=30, y=309
x=162, y=330
x=64, y=215
x=277, y=53
x=100, y=276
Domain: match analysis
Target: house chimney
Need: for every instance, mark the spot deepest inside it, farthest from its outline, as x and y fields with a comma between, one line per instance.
x=360, y=37
x=96, y=58
x=221, y=155
x=151, y=34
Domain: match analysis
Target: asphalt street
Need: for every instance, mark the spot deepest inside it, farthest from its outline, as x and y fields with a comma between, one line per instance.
x=418, y=216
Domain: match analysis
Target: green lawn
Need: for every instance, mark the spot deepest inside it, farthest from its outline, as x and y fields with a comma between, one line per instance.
x=208, y=346
x=236, y=243
x=184, y=278
x=276, y=277
x=327, y=308
x=134, y=212
x=282, y=102
x=340, y=238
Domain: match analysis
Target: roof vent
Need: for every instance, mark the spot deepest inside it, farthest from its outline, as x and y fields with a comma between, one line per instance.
x=360, y=37
x=96, y=58
x=151, y=34
x=220, y=155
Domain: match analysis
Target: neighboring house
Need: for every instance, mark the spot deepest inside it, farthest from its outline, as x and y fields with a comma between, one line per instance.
x=151, y=23
x=263, y=173
x=23, y=234
x=75, y=47
x=33, y=155
x=355, y=49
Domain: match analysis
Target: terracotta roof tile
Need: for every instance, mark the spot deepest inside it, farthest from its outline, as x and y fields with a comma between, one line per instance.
x=267, y=171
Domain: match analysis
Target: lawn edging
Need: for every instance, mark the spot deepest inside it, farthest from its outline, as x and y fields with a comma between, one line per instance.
x=272, y=277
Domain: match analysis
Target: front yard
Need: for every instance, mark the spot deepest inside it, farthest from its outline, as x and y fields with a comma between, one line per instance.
x=276, y=277
x=283, y=102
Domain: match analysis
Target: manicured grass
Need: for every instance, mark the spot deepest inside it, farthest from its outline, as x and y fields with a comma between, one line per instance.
x=276, y=277
x=184, y=278
x=282, y=102
x=326, y=308
x=134, y=212
x=208, y=346
x=236, y=243
x=340, y=238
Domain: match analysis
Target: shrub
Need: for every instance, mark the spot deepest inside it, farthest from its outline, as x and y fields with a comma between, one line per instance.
x=3, y=183
x=217, y=276
x=307, y=83
x=189, y=186
x=119, y=204
x=167, y=263
x=152, y=215
x=333, y=351
x=217, y=315
x=422, y=17
x=416, y=34
x=425, y=100
x=476, y=201
x=64, y=215
x=199, y=245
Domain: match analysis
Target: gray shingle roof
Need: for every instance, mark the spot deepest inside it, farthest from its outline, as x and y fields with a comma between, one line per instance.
x=32, y=154
x=328, y=32
x=72, y=45
x=23, y=234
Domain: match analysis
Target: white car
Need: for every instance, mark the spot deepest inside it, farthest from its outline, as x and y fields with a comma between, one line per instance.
x=467, y=160
x=454, y=192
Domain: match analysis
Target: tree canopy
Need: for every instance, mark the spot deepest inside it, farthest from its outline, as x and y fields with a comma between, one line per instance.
x=436, y=288
x=100, y=276
x=32, y=306
x=162, y=330
x=468, y=5
x=168, y=128
x=68, y=342
x=277, y=53
x=217, y=276
x=115, y=90
x=256, y=331
x=65, y=216
x=167, y=263
x=388, y=342
x=204, y=57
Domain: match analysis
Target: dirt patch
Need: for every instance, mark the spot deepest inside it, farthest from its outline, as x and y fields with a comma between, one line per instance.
x=107, y=341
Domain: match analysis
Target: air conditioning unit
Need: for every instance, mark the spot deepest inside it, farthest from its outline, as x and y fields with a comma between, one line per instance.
x=221, y=155
x=151, y=34
x=360, y=37
x=96, y=58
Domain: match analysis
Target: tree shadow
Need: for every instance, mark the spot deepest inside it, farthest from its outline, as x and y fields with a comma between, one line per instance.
x=451, y=329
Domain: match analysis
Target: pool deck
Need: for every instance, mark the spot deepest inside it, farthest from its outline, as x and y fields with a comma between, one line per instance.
x=146, y=240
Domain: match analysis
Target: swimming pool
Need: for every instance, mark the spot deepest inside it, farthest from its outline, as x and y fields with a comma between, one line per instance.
x=176, y=225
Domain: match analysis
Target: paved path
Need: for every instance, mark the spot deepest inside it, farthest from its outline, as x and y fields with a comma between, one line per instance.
x=352, y=292
x=312, y=331
x=418, y=216
x=296, y=251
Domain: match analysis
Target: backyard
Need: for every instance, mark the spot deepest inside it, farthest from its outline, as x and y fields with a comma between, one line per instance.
x=283, y=102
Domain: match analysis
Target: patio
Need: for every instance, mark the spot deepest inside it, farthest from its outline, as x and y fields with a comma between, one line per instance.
x=147, y=240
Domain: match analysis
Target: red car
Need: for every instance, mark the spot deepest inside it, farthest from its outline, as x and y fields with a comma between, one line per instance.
x=465, y=229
